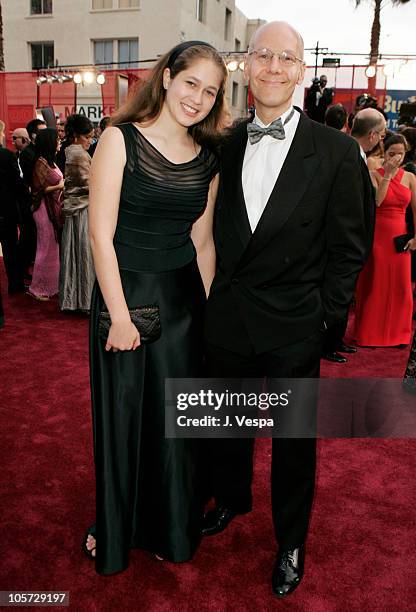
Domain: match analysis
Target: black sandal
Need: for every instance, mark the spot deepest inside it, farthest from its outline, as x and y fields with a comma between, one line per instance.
x=91, y=531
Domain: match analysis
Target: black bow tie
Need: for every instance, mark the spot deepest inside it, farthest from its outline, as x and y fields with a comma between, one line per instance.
x=275, y=129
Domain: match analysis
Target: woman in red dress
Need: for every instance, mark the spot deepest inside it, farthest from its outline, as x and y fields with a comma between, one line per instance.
x=384, y=301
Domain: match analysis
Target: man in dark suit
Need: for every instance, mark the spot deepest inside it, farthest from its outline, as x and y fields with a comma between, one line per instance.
x=12, y=194
x=368, y=128
x=28, y=155
x=291, y=239
x=318, y=98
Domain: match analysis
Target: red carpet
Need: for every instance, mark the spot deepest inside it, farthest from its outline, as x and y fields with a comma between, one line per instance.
x=361, y=552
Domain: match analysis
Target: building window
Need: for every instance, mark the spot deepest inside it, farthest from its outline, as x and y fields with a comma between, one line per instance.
x=200, y=10
x=227, y=29
x=114, y=4
x=234, y=94
x=42, y=55
x=41, y=7
x=103, y=51
x=128, y=3
x=246, y=96
x=102, y=4
x=237, y=45
x=128, y=51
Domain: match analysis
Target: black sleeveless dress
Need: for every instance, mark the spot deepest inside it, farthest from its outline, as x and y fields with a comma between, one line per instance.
x=146, y=485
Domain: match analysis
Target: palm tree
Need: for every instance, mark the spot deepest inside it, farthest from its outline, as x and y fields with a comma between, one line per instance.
x=375, y=34
x=1, y=43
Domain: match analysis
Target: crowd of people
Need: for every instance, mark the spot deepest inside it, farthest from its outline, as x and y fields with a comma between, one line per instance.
x=384, y=291
x=44, y=193
x=259, y=289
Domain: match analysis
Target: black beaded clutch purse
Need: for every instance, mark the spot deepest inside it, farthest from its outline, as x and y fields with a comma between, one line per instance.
x=401, y=241
x=145, y=318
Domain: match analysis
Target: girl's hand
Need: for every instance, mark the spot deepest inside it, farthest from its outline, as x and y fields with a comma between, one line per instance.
x=391, y=165
x=123, y=336
x=411, y=245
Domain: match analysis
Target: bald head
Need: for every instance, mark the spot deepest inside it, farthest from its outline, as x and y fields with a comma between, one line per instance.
x=20, y=138
x=274, y=75
x=366, y=120
x=368, y=128
x=274, y=31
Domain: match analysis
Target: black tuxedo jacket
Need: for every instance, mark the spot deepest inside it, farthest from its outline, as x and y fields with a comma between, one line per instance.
x=296, y=273
x=27, y=162
x=13, y=192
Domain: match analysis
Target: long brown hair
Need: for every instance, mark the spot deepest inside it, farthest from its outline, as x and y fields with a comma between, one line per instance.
x=146, y=105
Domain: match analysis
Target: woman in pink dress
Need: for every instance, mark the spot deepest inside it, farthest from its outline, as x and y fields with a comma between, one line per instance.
x=47, y=186
x=384, y=301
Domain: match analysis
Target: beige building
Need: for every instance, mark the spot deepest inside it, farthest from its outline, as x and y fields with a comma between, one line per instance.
x=45, y=33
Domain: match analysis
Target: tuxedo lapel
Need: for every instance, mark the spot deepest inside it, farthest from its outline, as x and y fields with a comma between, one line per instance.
x=297, y=171
x=232, y=167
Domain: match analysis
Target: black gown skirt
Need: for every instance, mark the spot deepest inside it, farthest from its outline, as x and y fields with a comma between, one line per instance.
x=147, y=485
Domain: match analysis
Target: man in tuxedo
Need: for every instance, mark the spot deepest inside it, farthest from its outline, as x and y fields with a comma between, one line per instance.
x=318, y=98
x=291, y=239
x=368, y=129
x=12, y=195
x=20, y=140
x=28, y=154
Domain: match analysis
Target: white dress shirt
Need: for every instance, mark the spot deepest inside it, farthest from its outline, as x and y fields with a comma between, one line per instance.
x=20, y=168
x=262, y=164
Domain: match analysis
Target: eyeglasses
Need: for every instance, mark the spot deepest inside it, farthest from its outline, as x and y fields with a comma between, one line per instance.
x=381, y=133
x=17, y=137
x=265, y=56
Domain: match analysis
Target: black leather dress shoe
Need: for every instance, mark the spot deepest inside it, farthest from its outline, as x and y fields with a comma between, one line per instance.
x=334, y=356
x=217, y=520
x=346, y=348
x=288, y=571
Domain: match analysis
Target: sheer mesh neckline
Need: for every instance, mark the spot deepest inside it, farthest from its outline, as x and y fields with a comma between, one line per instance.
x=161, y=154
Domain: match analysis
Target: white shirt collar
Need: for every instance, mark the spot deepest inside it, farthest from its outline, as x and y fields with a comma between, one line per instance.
x=283, y=117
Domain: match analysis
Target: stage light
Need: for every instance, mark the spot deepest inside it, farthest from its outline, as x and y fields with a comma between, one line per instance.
x=77, y=78
x=242, y=65
x=232, y=66
x=63, y=78
x=370, y=71
x=88, y=77
x=101, y=79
